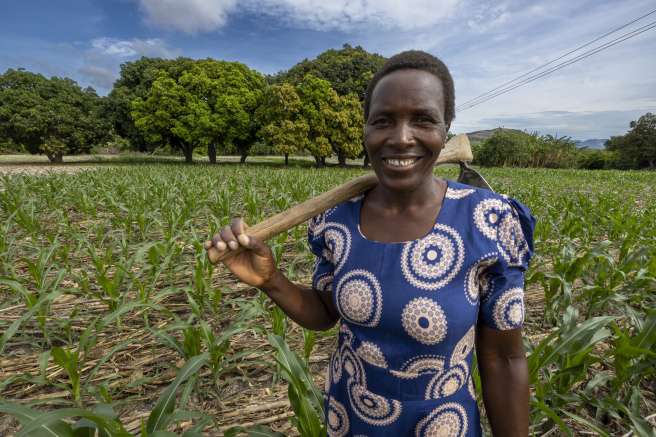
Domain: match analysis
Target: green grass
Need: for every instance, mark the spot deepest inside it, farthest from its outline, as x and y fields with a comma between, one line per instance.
x=105, y=291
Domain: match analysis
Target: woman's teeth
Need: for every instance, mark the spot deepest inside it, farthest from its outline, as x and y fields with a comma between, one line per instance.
x=401, y=162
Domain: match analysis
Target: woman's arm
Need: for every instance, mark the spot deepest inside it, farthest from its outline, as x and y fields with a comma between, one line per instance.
x=310, y=308
x=504, y=376
x=255, y=266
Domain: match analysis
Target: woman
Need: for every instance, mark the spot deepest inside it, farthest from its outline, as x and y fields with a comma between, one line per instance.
x=418, y=272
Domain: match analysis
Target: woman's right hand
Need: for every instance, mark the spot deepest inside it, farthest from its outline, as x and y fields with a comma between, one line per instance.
x=254, y=265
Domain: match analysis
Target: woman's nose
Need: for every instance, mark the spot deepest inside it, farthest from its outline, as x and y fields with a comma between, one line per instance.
x=403, y=135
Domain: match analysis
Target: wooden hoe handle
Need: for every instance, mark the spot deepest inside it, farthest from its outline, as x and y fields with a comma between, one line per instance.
x=456, y=150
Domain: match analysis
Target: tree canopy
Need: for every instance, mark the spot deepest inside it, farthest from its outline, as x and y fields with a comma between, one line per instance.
x=211, y=103
x=348, y=70
x=135, y=81
x=50, y=116
x=637, y=148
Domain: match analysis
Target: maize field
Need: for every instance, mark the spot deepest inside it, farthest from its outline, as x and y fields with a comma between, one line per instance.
x=113, y=322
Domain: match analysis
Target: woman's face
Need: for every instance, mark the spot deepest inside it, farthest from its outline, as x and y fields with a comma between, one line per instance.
x=405, y=131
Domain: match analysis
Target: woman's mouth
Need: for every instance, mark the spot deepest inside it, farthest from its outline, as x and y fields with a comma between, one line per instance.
x=401, y=163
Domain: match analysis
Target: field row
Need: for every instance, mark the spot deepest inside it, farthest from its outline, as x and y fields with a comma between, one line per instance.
x=105, y=294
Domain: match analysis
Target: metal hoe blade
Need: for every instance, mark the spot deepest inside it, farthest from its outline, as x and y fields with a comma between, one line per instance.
x=471, y=177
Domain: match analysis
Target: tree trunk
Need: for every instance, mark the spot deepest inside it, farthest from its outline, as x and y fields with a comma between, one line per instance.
x=341, y=158
x=56, y=158
x=317, y=160
x=286, y=159
x=365, y=164
x=188, y=153
x=323, y=161
x=242, y=158
x=211, y=153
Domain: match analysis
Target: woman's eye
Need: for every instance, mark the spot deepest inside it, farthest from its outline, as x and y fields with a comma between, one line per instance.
x=425, y=120
x=379, y=122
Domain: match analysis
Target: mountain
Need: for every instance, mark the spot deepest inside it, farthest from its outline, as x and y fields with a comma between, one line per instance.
x=482, y=135
x=595, y=143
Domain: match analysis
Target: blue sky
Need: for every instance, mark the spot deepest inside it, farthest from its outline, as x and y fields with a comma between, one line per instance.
x=484, y=43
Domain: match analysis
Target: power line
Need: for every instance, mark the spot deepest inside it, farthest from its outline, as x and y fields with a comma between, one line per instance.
x=584, y=55
x=558, y=58
x=511, y=85
x=589, y=53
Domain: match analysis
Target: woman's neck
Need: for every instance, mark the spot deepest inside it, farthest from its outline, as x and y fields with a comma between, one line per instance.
x=426, y=193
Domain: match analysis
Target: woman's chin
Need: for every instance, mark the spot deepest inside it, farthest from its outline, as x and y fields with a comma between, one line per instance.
x=399, y=184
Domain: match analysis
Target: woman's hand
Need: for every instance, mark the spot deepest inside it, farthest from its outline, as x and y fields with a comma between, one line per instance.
x=255, y=265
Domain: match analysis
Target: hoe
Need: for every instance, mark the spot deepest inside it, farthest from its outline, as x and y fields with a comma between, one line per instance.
x=456, y=151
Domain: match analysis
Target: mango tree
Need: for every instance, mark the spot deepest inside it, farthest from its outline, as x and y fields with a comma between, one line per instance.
x=233, y=92
x=49, y=116
x=172, y=114
x=283, y=126
x=318, y=104
x=346, y=129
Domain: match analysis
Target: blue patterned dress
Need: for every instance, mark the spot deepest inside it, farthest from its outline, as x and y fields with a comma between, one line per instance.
x=408, y=312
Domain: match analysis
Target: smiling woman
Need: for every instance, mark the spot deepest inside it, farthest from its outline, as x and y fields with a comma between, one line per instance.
x=418, y=271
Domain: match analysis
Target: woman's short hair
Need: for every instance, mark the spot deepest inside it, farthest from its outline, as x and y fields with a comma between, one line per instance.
x=417, y=60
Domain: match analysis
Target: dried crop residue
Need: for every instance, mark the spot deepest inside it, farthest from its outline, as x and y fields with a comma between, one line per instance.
x=40, y=170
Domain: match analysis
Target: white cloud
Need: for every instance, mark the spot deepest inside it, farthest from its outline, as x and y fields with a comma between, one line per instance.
x=193, y=16
x=99, y=76
x=594, y=98
x=190, y=16
x=348, y=15
x=100, y=62
x=130, y=48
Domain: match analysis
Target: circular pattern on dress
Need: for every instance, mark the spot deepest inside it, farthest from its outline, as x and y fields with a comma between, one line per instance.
x=338, y=241
x=316, y=225
x=509, y=309
x=359, y=298
x=487, y=214
x=420, y=365
x=434, y=260
x=464, y=347
x=511, y=242
x=473, y=282
x=371, y=407
x=324, y=282
x=338, y=421
x=458, y=193
x=352, y=365
x=424, y=320
x=346, y=332
x=448, y=382
x=372, y=354
x=470, y=388
x=448, y=420
x=336, y=367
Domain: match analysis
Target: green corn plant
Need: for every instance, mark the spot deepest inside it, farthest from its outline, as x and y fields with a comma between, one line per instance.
x=104, y=421
x=217, y=346
x=278, y=321
x=69, y=361
x=309, y=340
x=306, y=399
x=38, y=309
x=560, y=362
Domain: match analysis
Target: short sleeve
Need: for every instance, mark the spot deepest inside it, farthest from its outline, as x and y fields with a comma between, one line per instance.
x=502, y=283
x=322, y=275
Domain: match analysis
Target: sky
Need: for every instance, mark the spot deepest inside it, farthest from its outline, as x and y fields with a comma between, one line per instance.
x=484, y=44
